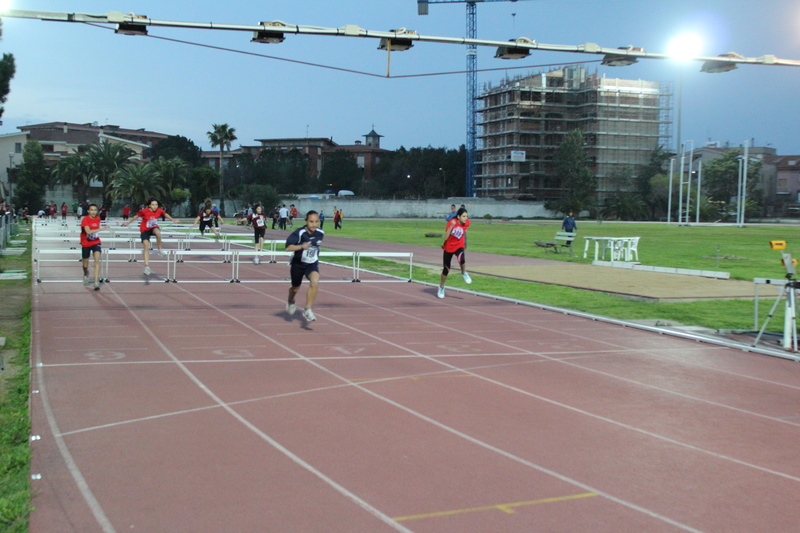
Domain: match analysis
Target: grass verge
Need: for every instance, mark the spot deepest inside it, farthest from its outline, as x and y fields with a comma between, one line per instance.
x=714, y=314
x=15, y=495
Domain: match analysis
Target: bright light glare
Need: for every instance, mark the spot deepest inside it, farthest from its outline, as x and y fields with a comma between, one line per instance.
x=5, y=5
x=685, y=47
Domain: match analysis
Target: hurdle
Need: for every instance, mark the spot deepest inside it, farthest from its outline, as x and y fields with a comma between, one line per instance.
x=395, y=255
x=74, y=255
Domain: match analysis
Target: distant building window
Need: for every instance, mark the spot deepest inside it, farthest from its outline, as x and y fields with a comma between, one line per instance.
x=18, y=148
x=792, y=163
x=48, y=148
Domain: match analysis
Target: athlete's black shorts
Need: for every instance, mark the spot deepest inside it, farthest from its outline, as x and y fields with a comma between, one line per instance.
x=204, y=225
x=305, y=269
x=258, y=234
x=86, y=251
x=460, y=255
x=147, y=234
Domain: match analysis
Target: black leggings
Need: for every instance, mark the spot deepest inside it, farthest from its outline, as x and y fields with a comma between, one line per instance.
x=460, y=256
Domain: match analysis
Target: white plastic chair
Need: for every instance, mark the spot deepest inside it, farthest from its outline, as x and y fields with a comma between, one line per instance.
x=632, y=249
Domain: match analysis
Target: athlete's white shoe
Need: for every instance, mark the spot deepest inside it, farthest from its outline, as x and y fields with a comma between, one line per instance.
x=85, y=280
x=309, y=315
x=146, y=271
x=466, y=277
x=291, y=308
x=440, y=294
x=255, y=260
x=161, y=252
x=97, y=286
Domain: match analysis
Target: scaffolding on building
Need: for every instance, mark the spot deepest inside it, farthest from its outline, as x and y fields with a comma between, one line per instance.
x=525, y=118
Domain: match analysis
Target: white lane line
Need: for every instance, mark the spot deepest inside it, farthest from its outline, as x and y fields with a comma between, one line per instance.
x=88, y=496
x=274, y=443
x=603, y=418
x=625, y=349
x=454, y=431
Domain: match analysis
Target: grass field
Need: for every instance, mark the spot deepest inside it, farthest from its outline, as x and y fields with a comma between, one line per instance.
x=14, y=394
x=744, y=252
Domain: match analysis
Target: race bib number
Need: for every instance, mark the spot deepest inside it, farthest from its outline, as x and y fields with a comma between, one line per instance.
x=310, y=255
x=152, y=223
x=259, y=222
x=92, y=237
x=457, y=232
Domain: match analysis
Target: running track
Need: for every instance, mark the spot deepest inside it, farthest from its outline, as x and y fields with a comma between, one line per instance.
x=162, y=407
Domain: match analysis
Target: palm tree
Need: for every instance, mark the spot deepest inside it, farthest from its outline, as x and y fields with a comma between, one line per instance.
x=172, y=173
x=72, y=170
x=222, y=136
x=105, y=159
x=137, y=182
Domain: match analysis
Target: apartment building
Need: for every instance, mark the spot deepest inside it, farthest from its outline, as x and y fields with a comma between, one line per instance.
x=524, y=121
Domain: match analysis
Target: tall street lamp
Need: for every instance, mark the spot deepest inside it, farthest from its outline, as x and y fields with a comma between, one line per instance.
x=683, y=49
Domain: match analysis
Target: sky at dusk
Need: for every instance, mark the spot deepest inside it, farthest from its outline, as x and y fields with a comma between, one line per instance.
x=80, y=73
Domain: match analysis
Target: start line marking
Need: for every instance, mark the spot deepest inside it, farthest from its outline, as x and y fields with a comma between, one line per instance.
x=507, y=508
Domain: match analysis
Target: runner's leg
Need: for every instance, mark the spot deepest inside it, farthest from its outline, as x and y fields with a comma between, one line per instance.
x=313, y=279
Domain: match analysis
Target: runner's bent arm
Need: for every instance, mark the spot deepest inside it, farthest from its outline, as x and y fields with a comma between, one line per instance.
x=297, y=247
x=89, y=231
x=134, y=219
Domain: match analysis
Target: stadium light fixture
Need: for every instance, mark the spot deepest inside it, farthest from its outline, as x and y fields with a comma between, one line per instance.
x=514, y=52
x=269, y=36
x=715, y=67
x=397, y=43
x=621, y=60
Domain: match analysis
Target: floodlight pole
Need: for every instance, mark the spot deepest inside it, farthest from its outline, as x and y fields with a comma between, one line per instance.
x=699, y=188
x=669, y=192
x=743, y=194
x=689, y=187
x=680, y=188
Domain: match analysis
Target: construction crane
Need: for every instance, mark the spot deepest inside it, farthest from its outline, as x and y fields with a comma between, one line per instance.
x=472, y=78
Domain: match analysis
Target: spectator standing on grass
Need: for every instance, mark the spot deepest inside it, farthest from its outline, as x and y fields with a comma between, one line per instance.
x=126, y=212
x=321, y=219
x=64, y=210
x=569, y=225
x=292, y=215
x=337, y=219
x=283, y=215
x=452, y=214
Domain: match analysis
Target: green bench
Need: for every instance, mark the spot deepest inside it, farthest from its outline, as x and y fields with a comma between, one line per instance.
x=563, y=239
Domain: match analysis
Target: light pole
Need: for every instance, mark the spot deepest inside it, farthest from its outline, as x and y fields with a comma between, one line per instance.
x=682, y=48
x=444, y=183
x=10, y=184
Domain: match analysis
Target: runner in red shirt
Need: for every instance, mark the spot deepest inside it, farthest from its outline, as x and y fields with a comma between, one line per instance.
x=259, y=222
x=149, y=227
x=63, y=211
x=454, y=243
x=292, y=215
x=90, y=245
x=126, y=212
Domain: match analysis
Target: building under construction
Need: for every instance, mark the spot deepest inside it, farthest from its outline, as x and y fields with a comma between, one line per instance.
x=525, y=119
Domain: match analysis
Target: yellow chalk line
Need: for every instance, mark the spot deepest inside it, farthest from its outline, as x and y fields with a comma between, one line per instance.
x=505, y=507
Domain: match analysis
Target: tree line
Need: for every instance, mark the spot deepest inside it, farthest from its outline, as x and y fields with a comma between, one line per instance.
x=177, y=172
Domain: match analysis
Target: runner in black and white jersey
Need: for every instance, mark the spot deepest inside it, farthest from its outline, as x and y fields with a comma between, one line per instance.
x=207, y=218
x=305, y=243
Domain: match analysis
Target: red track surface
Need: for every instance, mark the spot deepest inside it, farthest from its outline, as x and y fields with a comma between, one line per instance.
x=206, y=408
